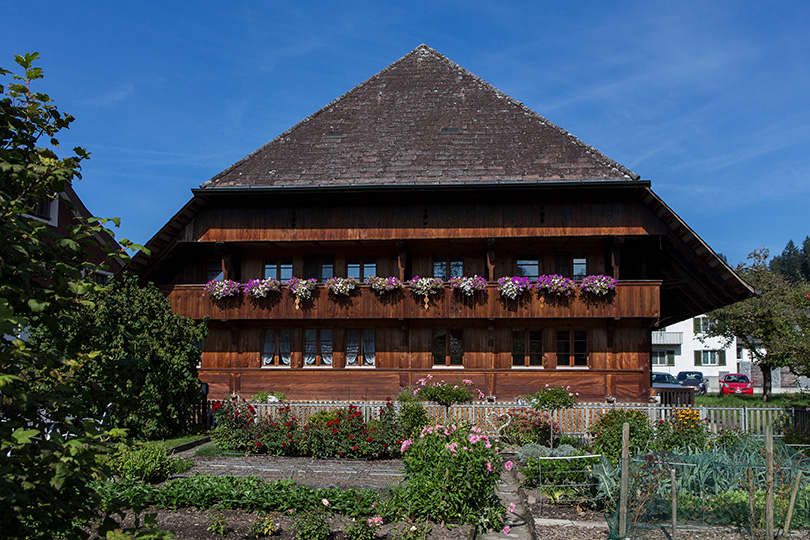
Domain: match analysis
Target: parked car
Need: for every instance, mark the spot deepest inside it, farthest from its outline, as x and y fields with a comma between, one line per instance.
x=663, y=380
x=693, y=378
x=736, y=383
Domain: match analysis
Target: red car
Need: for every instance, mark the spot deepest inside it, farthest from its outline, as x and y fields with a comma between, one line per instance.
x=736, y=383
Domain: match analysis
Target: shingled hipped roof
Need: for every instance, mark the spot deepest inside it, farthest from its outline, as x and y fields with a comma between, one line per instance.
x=423, y=120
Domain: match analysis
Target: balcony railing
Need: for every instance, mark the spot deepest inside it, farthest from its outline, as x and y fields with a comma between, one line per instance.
x=667, y=338
x=630, y=299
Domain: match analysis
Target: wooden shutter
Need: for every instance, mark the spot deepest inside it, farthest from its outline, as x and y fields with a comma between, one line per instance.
x=670, y=358
x=698, y=358
x=696, y=325
x=721, y=358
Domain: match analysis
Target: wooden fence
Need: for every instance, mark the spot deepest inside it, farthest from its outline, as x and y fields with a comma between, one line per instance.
x=576, y=421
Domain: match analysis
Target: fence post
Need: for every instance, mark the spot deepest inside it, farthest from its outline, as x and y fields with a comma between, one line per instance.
x=624, y=480
x=674, y=506
x=769, y=482
x=793, y=491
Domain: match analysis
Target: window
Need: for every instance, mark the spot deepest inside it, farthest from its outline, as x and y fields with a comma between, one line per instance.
x=700, y=325
x=710, y=358
x=575, y=266
x=448, y=347
x=320, y=267
x=42, y=209
x=572, y=348
x=317, y=347
x=527, y=347
x=215, y=269
x=276, y=351
x=360, y=347
x=527, y=266
x=663, y=358
x=361, y=267
x=446, y=267
x=280, y=269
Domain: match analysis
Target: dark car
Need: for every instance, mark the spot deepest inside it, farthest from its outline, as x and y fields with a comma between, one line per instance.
x=693, y=378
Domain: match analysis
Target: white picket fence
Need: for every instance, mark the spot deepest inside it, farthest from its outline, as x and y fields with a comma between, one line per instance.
x=575, y=421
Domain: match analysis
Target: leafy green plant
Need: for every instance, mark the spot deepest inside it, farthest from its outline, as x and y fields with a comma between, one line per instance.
x=552, y=398
x=262, y=526
x=419, y=531
x=311, y=526
x=347, y=435
x=217, y=523
x=685, y=431
x=363, y=529
x=524, y=426
x=147, y=463
x=446, y=393
x=607, y=433
x=412, y=418
x=450, y=476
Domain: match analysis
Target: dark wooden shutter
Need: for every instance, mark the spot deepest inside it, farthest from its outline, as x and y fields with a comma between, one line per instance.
x=698, y=358
x=696, y=325
x=670, y=358
x=721, y=358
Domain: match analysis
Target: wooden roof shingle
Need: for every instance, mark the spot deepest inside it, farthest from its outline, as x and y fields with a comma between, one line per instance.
x=423, y=120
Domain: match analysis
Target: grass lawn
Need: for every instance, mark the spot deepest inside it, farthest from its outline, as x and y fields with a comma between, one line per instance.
x=777, y=400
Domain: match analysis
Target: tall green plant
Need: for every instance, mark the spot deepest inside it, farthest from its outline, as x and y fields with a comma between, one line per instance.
x=49, y=437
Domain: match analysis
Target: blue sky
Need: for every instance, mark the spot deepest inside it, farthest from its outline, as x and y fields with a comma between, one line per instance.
x=710, y=101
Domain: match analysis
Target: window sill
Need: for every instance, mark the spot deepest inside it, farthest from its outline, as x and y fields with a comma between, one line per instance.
x=275, y=367
x=574, y=367
x=528, y=367
x=360, y=367
x=448, y=367
x=318, y=367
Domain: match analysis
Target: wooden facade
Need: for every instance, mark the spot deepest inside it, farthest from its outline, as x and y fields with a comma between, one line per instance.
x=424, y=170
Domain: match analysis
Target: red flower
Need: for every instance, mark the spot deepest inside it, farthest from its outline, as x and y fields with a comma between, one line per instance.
x=289, y=435
x=287, y=424
x=334, y=431
x=340, y=453
x=283, y=444
x=351, y=436
x=216, y=406
x=355, y=447
x=370, y=439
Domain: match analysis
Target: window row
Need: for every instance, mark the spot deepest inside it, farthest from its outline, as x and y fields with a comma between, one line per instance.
x=527, y=347
x=322, y=267
x=702, y=358
x=318, y=347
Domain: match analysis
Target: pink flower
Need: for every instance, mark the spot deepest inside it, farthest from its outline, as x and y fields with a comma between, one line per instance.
x=489, y=466
x=405, y=445
x=290, y=510
x=325, y=502
x=375, y=521
x=511, y=509
x=506, y=529
x=508, y=465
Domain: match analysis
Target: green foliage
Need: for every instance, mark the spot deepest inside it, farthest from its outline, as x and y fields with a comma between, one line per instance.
x=446, y=393
x=551, y=398
x=149, y=531
x=48, y=437
x=773, y=325
x=347, y=435
x=572, y=475
x=419, y=531
x=607, y=432
x=311, y=526
x=262, y=526
x=217, y=523
x=250, y=494
x=362, y=529
x=267, y=397
x=147, y=463
x=450, y=477
x=412, y=418
x=145, y=378
x=685, y=432
x=524, y=426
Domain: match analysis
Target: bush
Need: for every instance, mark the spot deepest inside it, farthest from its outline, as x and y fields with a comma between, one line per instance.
x=685, y=431
x=450, y=477
x=553, y=398
x=445, y=393
x=278, y=437
x=311, y=526
x=347, y=435
x=412, y=418
x=235, y=419
x=147, y=463
x=607, y=432
x=525, y=426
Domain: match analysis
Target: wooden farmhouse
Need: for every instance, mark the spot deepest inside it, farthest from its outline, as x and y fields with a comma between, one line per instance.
x=426, y=170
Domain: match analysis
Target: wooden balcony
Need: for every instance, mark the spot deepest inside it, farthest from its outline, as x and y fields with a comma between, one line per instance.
x=636, y=299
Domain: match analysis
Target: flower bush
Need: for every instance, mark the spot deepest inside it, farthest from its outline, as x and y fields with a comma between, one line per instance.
x=514, y=286
x=556, y=285
x=607, y=433
x=553, y=397
x=598, y=285
x=346, y=434
x=685, y=431
x=341, y=285
x=468, y=286
x=384, y=285
x=222, y=288
x=234, y=422
x=258, y=288
x=450, y=477
x=425, y=286
x=445, y=393
x=301, y=288
x=525, y=426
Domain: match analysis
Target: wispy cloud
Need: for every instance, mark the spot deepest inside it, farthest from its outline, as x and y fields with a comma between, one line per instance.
x=111, y=96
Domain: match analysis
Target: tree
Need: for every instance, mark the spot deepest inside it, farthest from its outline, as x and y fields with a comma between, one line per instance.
x=145, y=375
x=773, y=325
x=48, y=443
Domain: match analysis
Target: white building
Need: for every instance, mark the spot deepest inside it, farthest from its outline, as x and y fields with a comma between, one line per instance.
x=684, y=346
